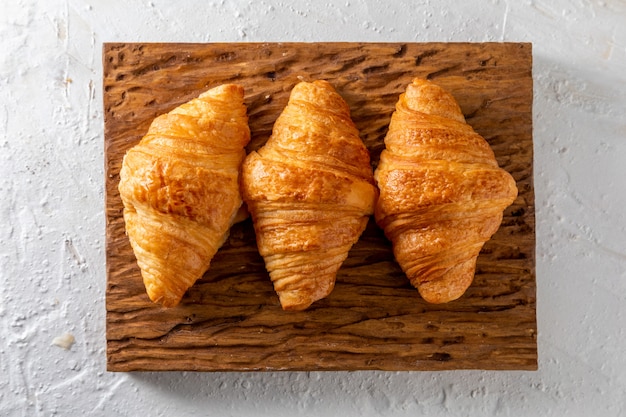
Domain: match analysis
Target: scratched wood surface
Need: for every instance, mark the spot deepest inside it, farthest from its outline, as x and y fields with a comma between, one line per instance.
x=231, y=319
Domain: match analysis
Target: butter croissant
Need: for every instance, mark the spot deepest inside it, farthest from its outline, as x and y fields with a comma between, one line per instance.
x=442, y=194
x=180, y=190
x=310, y=191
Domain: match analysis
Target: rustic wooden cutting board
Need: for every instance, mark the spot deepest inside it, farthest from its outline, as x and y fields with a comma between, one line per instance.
x=231, y=318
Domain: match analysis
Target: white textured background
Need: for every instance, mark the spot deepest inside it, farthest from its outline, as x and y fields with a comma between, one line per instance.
x=52, y=260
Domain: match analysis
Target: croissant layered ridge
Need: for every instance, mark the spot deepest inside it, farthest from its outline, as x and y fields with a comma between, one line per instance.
x=310, y=191
x=180, y=189
x=442, y=193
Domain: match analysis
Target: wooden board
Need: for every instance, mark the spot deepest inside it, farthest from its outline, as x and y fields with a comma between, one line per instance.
x=231, y=319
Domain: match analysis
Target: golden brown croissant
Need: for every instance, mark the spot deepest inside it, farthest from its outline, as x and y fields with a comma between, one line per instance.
x=310, y=191
x=442, y=194
x=180, y=190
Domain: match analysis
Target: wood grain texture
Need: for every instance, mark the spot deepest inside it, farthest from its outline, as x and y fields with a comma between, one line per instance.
x=231, y=319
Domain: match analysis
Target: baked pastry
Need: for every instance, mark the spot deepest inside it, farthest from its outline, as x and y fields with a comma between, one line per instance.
x=310, y=191
x=180, y=190
x=442, y=194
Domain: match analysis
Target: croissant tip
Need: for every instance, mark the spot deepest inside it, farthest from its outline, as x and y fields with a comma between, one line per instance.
x=229, y=89
x=438, y=298
x=299, y=300
x=294, y=302
x=164, y=301
x=428, y=97
x=450, y=286
x=295, y=307
x=421, y=81
x=320, y=83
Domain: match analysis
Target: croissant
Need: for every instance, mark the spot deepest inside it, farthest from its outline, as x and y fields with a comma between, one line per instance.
x=442, y=194
x=310, y=191
x=180, y=190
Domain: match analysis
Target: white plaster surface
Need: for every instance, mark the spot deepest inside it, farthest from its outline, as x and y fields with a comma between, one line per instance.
x=52, y=260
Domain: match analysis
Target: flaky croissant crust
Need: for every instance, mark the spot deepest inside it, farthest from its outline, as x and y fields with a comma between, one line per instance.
x=310, y=191
x=442, y=194
x=180, y=189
